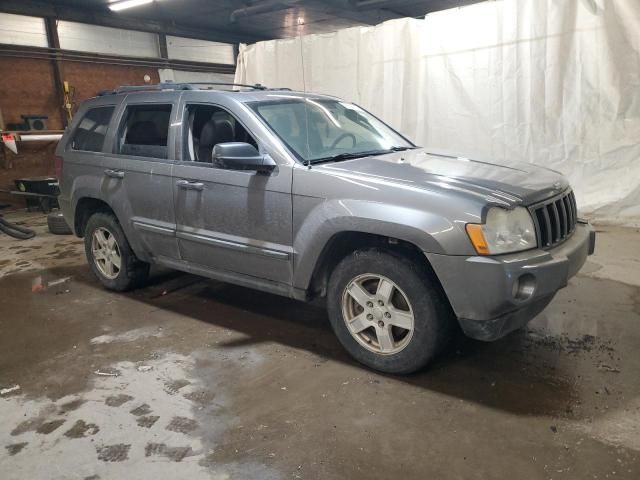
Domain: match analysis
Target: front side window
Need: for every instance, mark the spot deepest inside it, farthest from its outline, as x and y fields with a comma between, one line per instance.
x=144, y=131
x=320, y=129
x=207, y=126
x=92, y=130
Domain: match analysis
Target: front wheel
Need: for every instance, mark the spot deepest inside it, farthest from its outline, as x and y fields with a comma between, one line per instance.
x=110, y=256
x=387, y=312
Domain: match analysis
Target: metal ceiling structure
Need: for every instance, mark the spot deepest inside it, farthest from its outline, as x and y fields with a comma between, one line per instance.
x=233, y=21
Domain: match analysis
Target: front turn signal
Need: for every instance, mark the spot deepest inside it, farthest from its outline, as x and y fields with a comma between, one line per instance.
x=476, y=236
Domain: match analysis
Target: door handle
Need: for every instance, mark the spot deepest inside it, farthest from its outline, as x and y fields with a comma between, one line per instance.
x=114, y=173
x=187, y=185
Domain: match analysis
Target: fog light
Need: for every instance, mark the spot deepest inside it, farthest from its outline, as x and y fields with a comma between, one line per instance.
x=524, y=287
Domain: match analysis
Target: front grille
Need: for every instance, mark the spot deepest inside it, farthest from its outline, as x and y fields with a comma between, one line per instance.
x=555, y=219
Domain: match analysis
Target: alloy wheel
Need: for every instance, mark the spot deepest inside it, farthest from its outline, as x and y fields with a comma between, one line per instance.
x=106, y=253
x=378, y=314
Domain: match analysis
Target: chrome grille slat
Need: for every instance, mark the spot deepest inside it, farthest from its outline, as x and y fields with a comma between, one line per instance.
x=555, y=219
x=564, y=224
x=547, y=221
x=569, y=209
x=575, y=207
x=555, y=222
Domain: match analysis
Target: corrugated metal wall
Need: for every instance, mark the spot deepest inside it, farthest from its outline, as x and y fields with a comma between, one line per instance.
x=22, y=30
x=114, y=41
x=199, y=50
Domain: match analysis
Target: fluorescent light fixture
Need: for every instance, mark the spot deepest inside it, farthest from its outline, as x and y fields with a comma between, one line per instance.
x=124, y=4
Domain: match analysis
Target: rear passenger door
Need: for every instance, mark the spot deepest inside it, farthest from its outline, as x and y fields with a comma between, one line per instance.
x=137, y=174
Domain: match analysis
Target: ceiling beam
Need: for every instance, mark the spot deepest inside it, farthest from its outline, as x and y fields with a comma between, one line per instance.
x=106, y=19
x=347, y=9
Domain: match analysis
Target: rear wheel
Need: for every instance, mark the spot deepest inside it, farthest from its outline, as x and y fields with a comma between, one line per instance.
x=110, y=256
x=387, y=312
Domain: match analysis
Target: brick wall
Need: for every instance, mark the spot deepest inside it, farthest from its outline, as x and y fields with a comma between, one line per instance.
x=28, y=88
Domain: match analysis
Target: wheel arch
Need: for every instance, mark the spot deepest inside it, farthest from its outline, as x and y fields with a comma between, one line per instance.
x=344, y=243
x=85, y=207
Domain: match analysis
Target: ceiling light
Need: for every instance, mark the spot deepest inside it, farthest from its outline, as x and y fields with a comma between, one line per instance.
x=124, y=4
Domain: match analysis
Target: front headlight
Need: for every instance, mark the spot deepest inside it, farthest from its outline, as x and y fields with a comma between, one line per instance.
x=504, y=231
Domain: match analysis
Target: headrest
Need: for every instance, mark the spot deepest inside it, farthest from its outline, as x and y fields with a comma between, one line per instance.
x=224, y=131
x=208, y=134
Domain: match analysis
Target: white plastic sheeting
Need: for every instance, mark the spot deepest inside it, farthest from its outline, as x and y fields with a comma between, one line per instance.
x=553, y=82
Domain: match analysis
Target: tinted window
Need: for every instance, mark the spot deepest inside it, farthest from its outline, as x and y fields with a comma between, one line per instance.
x=144, y=131
x=92, y=130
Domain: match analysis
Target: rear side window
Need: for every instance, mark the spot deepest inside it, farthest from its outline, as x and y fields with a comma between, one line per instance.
x=92, y=130
x=144, y=131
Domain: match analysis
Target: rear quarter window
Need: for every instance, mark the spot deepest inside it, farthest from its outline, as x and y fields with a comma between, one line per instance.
x=92, y=130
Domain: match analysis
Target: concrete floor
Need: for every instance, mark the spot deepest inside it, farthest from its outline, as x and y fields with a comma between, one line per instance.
x=190, y=378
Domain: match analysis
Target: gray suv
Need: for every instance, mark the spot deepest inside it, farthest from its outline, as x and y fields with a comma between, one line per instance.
x=306, y=195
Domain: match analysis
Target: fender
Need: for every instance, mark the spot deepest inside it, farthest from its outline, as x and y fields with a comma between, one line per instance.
x=427, y=231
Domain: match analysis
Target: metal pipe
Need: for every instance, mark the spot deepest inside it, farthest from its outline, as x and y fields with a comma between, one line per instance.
x=373, y=3
x=40, y=137
x=264, y=7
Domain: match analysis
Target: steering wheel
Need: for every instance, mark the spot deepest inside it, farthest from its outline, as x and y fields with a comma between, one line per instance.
x=342, y=137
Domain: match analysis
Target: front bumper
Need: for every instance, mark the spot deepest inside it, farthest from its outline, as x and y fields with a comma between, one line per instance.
x=492, y=296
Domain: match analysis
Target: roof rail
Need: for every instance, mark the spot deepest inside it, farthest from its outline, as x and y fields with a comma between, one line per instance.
x=255, y=86
x=174, y=86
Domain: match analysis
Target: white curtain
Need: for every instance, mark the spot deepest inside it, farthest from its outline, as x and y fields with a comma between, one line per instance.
x=553, y=82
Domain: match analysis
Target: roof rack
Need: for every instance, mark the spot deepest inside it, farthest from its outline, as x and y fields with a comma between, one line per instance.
x=176, y=86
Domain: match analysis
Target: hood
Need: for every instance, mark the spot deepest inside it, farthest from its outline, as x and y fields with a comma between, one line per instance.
x=509, y=185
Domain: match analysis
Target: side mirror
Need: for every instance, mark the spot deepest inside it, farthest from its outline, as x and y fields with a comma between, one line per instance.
x=241, y=156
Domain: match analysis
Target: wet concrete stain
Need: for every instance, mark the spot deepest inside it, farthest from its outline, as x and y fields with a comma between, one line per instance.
x=82, y=429
x=175, y=454
x=47, y=427
x=143, y=409
x=117, y=400
x=182, y=425
x=113, y=453
x=70, y=406
x=35, y=423
x=65, y=254
x=15, y=448
x=201, y=397
x=26, y=426
x=147, y=421
x=174, y=386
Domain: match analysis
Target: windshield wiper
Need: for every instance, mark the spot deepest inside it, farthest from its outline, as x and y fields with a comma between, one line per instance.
x=348, y=156
x=399, y=148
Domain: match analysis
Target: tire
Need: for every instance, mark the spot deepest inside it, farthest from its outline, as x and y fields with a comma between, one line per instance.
x=58, y=225
x=131, y=272
x=432, y=317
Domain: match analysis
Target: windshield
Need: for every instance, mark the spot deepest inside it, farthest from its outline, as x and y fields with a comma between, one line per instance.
x=326, y=129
